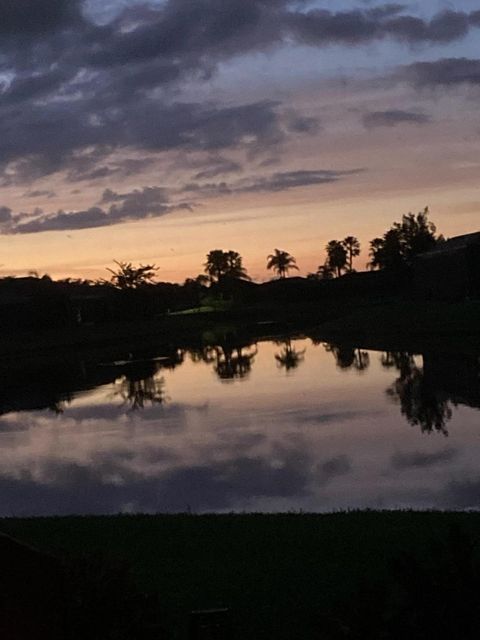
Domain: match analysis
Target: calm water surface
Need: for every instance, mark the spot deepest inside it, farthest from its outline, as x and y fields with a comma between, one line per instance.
x=272, y=426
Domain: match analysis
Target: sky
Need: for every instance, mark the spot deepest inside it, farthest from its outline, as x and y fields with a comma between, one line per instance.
x=156, y=131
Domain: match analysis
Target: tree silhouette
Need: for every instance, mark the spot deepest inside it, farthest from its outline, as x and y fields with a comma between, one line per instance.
x=386, y=252
x=140, y=384
x=420, y=402
x=201, y=280
x=415, y=234
x=127, y=276
x=221, y=264
x=281, y=262
x=232, y=362
x=231, y=359
x=336, y=256
x=347, y=357
x=352, y=247
x=325, y=272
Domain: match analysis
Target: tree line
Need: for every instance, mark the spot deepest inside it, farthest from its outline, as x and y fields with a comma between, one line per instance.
x=413, y=235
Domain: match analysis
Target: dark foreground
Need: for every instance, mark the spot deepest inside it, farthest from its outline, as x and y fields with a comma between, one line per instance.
x=346, y=575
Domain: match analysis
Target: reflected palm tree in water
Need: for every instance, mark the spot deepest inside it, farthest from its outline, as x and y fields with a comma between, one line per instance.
x=234, y=362
x=347, y=357
x=231, y=361
x=140, y=385
x=289, y=358
x=421, y=403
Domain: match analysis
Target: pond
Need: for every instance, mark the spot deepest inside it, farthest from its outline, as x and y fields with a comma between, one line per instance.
x=280, y=424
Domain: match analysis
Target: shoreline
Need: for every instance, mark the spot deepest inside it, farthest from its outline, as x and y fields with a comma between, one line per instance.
x=360, y=322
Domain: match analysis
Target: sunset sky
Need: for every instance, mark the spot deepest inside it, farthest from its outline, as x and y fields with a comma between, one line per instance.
x=156, y=131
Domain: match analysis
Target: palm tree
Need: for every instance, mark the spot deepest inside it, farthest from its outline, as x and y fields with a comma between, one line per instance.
x=325, y=272
x=127, y=276
x=281, y=262
x=225, y=263
x=337, y=256
x=235, y=268
x=352, y=247
x=216, y=264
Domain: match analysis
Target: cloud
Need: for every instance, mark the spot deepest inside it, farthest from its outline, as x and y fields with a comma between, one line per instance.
x=40, y=193
x=218, y=167
x=393, y=117
x=139, y=204
x=30, y=17
x=320, y=27
x=282, y=181
x=5, y=215
x=420, y=459
x=150, y=202
x=302, y=124
x=276, y=182
x=47, y=139
x=74, y=92
x=447, y=72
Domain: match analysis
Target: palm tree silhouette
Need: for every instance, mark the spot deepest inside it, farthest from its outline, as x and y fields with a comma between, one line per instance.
x=337, y=256
x=128, y=276
x=281, y=262
x=352, y=247
x=325, y=272
x=225, y=263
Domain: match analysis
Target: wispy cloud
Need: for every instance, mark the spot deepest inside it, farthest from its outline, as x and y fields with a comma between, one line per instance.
x=393, y=117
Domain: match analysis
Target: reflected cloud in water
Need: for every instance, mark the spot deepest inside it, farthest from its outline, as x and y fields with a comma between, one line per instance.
x=421, y=459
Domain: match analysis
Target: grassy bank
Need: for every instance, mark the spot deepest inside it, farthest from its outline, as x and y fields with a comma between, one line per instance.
x=282, y=575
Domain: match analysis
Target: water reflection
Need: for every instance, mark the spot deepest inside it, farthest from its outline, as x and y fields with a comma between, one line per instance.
x=233, y=362
x=426, y=394
x=140, y=384
x=422, y=402
x=231, y=359
x=157, y=430
x=289, y=357
x=347, y=357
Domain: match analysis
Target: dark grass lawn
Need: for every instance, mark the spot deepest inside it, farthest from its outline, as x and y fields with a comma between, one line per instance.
x=278, y=573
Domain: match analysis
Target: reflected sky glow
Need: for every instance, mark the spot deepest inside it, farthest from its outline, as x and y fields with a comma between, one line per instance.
x=316, y=437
